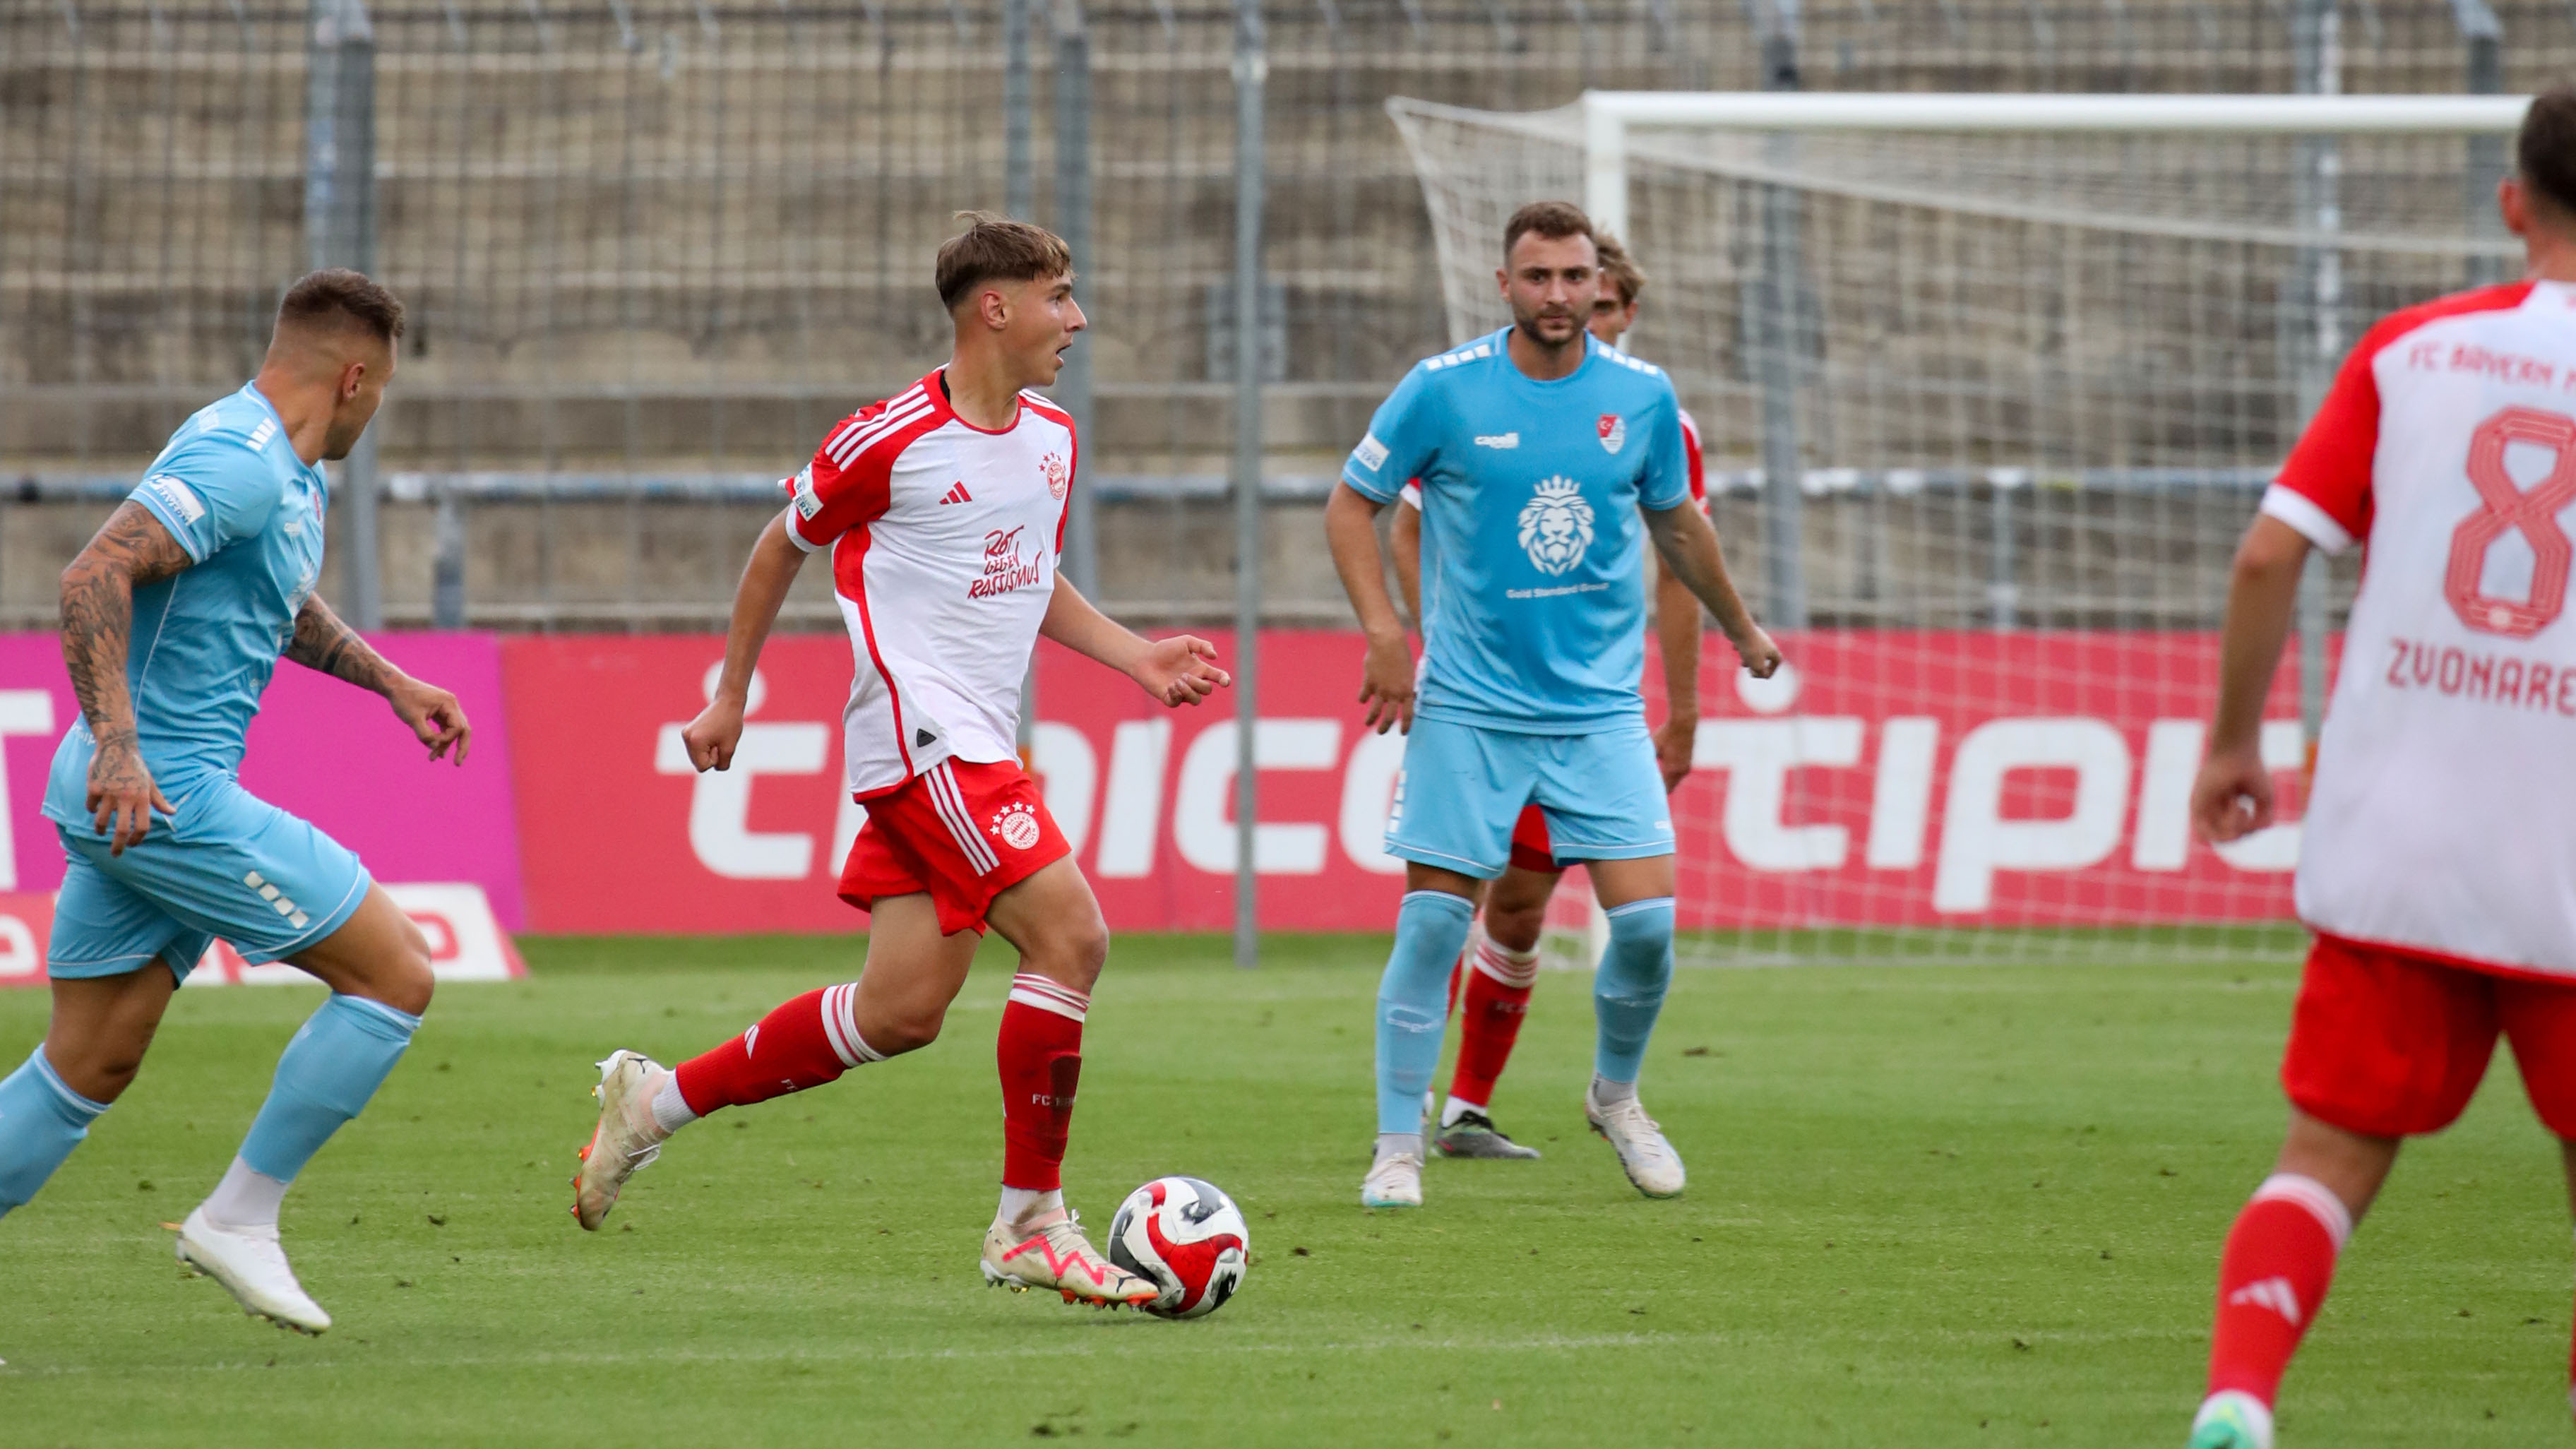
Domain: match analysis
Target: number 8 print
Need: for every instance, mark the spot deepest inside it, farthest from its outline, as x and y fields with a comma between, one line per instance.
x=2504, y=509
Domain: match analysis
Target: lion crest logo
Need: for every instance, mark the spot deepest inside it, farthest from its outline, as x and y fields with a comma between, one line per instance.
x=1556, y=525
x=1017, y=824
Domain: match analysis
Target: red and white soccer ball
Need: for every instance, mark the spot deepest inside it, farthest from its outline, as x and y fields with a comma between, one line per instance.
x=1187, y=1238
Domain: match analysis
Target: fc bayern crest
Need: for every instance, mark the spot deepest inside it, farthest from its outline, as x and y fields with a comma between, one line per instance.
x=1614, y=432
x=1017, y=824
x=1059, y=477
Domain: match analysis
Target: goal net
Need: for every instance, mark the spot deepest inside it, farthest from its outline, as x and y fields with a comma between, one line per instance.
x=1988, y=388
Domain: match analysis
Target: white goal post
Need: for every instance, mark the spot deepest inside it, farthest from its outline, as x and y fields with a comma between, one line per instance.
x=1988, y=385
x=1609, y=116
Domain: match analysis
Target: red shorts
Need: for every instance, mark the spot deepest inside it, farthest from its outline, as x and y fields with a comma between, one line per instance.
x=2392, y=1045
x=964, y=831
x=1531, y=849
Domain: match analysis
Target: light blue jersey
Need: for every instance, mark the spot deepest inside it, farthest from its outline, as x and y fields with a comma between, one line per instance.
x=223, y=862
x=1532, y=595
x=230, y=489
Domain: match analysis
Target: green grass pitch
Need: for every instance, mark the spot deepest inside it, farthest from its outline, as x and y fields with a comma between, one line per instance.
x=1929, y=1205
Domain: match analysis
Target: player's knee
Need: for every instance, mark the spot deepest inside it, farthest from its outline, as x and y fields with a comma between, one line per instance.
x=904, y=1028
x=409, y=980
x=1072, y=953
x=1516, y=925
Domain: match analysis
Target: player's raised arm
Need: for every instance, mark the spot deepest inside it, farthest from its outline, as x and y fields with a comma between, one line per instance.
x=1177, y=671
x=775, y=562
x=323, y=644
x=1687, y=543
x=130, y=549
x=2233, y=796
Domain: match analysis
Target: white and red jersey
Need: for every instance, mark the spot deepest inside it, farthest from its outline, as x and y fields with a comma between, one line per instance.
x=2443, y=819
x=1410, y=495
x=944, y=541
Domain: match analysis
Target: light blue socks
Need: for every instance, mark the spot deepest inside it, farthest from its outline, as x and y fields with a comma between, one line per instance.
x=1413, y=1002
x=333, y=1066
x=41, y=1121
x=1628, y=990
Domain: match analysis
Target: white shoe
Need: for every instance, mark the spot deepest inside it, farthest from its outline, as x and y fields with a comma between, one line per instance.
x=627, y=1137
x=1650, y=1161
x=252, y=1267
x=1394, y=1180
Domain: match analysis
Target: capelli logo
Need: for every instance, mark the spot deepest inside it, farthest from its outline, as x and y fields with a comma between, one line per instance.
x=1498, y=440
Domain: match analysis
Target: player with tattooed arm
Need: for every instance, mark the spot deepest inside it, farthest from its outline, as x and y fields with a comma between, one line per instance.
x=174, y=618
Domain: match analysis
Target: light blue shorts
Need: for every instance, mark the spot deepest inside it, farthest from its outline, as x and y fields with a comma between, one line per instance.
x=225, y=863
x=1464, y=785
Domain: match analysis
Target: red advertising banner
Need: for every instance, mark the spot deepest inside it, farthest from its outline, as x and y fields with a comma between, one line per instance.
x=1888, y=777
x=331, y=754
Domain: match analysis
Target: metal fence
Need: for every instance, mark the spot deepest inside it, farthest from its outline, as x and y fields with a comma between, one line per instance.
x=653, y=247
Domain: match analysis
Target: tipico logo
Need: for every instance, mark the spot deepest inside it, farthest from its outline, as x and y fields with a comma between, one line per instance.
x=1556, y=525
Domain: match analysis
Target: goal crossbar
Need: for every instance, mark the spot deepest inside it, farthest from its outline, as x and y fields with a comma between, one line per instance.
x=1608, y=116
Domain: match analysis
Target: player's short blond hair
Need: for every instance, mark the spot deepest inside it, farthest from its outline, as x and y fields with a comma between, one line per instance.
x=996, y=249
x=1619, y=269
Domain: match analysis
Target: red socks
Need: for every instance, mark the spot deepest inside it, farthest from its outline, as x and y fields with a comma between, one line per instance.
x=1497, y=997
x=1040, y=1054
x=2272, y=1280
x=805, y=1043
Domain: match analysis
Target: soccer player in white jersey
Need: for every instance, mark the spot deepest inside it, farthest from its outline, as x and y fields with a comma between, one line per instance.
x=1539, y=452
x=1494, y=977
x=174, y=618
x=2438, y=864
x=943, y=511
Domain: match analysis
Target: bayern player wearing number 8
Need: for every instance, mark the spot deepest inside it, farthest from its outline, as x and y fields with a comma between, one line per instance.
x=943, y=511
x=2438, y=867
x=1539, y=451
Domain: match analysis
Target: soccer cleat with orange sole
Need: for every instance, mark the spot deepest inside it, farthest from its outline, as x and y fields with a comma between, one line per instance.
x=625, y=1139
x=1058, y=1256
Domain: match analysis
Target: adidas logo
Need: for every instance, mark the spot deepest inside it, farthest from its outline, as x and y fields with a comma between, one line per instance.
x=957, y=493
x=2273, y=1293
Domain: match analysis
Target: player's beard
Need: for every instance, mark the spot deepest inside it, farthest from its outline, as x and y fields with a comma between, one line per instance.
x=1529, y=324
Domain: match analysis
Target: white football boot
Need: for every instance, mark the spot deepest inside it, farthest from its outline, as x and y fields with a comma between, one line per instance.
x=1394, y=1181
x=252, y=1267
x=1650, y=1161
x=1056, y=1255
x=626, y=1139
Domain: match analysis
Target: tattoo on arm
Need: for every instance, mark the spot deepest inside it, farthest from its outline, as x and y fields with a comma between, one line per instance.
x=323, y=644
x=131, y=549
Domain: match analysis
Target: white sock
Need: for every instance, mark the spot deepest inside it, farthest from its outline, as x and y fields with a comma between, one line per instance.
x=1021, y=1206
x=1609, y=1093
x=246, y=1198
x=1393, y=1142
x=670, y=1109
x=1456, y=1108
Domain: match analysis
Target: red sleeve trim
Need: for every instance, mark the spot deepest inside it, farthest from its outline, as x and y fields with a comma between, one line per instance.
x=1690, y=451
x=2331, y=466
x=851, y=480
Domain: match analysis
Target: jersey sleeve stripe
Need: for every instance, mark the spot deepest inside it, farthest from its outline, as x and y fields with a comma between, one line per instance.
x=893, y=418
x=2302, y=513
x=864, y=419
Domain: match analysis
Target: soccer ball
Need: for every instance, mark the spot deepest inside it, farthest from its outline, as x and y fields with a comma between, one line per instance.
x=1185, y=1237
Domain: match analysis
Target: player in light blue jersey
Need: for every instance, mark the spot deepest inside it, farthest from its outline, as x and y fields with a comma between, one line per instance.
x=1545, y=460
x=174, y=617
